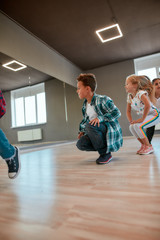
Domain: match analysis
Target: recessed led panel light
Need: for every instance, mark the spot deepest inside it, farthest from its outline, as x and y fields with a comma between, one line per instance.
x=112, y=27
x=14, y=65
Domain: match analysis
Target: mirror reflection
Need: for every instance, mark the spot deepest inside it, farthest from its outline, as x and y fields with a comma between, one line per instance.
x=40, y=108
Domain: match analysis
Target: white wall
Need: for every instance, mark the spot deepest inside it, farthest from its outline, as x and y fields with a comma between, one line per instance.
x=147, y=62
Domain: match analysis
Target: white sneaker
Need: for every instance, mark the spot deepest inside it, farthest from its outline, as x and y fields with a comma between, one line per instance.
x=146, y=150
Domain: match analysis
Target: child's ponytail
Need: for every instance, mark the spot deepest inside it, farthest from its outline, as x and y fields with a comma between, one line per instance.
x=146, y=84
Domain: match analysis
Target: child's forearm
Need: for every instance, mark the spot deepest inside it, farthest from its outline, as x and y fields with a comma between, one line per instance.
x=128, y=113
x=129, y=117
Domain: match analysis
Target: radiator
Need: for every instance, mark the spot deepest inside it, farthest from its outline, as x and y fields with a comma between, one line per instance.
x=29, y=135
x=157, y=126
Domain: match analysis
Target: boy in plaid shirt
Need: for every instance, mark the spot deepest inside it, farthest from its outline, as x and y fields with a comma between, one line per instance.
x=99, y=130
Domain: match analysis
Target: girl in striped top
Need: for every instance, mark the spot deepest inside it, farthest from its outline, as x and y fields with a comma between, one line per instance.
x=141, y=99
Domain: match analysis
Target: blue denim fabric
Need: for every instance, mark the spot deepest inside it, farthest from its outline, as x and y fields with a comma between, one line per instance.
x=94, y=139
x=6, y=149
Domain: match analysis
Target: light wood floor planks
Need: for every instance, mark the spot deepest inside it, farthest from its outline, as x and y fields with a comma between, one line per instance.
x=61, y=194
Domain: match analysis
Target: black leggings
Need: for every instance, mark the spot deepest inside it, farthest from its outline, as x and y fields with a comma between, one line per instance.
x=150, y=133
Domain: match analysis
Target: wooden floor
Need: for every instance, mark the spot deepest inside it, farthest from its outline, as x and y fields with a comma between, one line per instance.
x=61, y=194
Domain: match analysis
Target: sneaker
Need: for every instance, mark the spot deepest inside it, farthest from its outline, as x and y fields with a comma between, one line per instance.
x=13, y=165
x=142, y=146
x=147, y=150
x=104, y=159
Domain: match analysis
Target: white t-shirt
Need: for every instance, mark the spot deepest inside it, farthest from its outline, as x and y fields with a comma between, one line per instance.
x=158, y=104
x=91, y=112
x=137, y=104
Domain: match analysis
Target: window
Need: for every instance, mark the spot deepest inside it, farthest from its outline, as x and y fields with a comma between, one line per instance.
x=28, y=106
x=149, y=66
x=150, y=72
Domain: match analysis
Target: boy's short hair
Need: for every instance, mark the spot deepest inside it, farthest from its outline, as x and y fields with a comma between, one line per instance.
x=88, y=79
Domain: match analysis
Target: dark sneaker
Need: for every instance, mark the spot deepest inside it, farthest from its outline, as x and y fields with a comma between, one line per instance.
x=104, y=159
x=14, y=165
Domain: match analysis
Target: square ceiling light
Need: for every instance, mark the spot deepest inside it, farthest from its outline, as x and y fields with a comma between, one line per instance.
x=109, y=33
x=14, y=65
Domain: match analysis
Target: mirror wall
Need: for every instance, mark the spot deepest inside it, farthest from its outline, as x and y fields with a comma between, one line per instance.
x=62, y=104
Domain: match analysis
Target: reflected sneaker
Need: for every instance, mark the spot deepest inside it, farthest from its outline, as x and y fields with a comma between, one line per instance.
x=13, y=165
x=142, y=146
x=146, y=150
x=104, y=159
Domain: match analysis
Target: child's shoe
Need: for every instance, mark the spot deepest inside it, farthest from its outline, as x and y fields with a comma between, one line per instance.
x=14, y=165
x=146, y=150
x=142, y=146
x=104, y=159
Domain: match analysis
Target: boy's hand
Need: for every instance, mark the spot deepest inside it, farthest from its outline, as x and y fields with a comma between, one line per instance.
x=94, y=122
x=80, y=135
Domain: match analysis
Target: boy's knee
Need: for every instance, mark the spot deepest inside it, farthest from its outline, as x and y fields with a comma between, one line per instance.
x=79, y=145
x=90, y=127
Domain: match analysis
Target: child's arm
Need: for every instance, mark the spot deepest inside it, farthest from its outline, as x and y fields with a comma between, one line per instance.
x=146, y=102
x=82, y=126
x=128, y=112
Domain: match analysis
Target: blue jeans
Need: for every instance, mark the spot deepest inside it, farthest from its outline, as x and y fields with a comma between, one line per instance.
x=94, y=139
x=6, y=149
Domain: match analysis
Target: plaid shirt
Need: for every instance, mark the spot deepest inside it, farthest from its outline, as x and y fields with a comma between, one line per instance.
x=107, y=112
